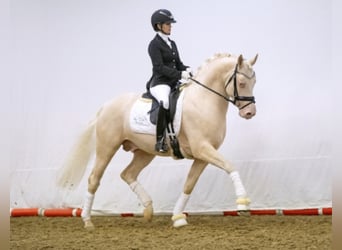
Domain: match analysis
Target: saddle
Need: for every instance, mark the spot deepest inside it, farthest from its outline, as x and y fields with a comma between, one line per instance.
x=173, y=97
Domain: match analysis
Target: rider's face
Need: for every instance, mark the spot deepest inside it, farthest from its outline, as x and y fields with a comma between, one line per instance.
x=166, y=28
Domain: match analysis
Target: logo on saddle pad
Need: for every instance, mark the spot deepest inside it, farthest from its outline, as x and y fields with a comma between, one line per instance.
x=142, y=114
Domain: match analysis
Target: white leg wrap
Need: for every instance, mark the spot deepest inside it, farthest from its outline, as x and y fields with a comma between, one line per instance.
x=88, y=203
x=239, y=188
x=141, y=193
x=180, y=204
x=178, y=218
x=242, y=200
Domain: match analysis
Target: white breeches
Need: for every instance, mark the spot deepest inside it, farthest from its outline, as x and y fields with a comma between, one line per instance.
x=161, y=92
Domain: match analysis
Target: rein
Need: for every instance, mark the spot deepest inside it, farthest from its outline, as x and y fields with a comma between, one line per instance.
x=236, y=97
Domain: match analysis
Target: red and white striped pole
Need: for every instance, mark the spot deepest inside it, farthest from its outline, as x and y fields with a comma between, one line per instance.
x=76, y=212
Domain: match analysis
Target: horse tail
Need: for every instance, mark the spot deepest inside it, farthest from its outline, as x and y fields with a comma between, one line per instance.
x=71, y=173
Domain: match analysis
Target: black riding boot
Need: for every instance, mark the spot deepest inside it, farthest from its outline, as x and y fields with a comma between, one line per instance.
x=161, y=146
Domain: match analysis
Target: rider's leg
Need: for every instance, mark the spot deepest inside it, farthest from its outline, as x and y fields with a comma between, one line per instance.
x=160, y=130
x=161, y=93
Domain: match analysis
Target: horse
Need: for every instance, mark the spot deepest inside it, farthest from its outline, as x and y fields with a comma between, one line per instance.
x=222, y=79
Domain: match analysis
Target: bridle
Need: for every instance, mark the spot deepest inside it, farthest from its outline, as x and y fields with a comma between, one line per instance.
x=236, y=97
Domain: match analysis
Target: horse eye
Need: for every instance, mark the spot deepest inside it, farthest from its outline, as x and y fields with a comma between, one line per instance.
x=242, y=84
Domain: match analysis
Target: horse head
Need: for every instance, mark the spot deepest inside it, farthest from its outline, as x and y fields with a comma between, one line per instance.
x=239, y=86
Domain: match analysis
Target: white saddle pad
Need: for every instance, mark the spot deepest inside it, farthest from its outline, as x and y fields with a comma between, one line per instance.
x=139, y=118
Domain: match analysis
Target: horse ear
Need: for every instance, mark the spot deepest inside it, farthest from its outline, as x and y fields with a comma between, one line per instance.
x=240, y=60
x=253, y=60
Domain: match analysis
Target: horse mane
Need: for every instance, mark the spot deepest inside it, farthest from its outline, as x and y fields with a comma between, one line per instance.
x=215, y=57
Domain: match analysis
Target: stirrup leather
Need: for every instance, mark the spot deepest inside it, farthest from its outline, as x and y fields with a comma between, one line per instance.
x=161, y=146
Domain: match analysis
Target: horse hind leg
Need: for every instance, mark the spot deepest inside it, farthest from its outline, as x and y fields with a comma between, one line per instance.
x=103, y=157
x=130, y=174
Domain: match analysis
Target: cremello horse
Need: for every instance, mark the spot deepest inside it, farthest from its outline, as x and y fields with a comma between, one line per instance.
x=222, y=79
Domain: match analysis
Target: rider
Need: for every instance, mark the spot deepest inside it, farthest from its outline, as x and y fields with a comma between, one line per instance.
x=167, y=70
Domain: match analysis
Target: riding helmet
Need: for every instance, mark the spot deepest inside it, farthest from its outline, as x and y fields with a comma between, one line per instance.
x=161, y=16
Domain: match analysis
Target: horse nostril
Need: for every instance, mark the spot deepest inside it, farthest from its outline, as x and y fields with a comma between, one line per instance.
x=249, y=114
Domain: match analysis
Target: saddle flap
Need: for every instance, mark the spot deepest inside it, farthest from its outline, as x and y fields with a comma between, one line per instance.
x=173, y=98
x=142, y=113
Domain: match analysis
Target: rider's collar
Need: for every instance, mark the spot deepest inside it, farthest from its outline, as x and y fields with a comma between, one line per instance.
x=164, y=37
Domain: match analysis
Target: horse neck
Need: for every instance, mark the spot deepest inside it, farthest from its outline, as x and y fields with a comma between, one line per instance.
x=213, y=76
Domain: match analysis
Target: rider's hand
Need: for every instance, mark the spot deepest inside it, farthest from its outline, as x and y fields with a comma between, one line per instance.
x=186, y=75
x=188, y=69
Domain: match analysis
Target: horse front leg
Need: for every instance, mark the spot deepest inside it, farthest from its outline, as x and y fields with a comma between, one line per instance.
x=179, y=218
x=211, y=155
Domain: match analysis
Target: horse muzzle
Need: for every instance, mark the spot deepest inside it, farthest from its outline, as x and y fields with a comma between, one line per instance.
x=248, y=112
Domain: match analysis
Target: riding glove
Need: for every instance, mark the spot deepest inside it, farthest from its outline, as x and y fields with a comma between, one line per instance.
x=186, y=75
x=188, y=69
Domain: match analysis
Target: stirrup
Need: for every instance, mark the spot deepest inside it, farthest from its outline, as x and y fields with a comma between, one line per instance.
x=161, y=147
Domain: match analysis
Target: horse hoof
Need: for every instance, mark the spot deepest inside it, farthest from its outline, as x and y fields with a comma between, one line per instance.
x=148, y=213
x=180, y=223
x=244, y=213
x=243, y=204
x=179, y=220
x=89, y=225
x=242, y=207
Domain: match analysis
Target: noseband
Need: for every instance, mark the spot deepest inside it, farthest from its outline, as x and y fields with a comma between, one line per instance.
x=249, y=99
x=236, y=97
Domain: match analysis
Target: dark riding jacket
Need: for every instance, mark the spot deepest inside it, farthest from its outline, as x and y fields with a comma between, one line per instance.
x=167, y=65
